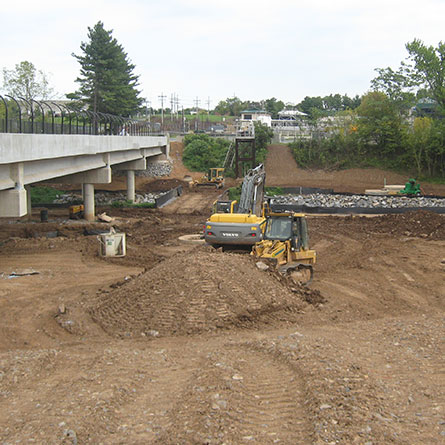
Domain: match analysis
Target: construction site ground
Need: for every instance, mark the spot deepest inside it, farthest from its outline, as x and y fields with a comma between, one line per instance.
x=179, y=343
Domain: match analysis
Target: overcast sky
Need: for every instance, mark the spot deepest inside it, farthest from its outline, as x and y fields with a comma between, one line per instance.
x=254, y=49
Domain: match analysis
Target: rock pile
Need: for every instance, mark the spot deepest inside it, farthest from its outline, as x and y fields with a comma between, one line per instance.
x=107, y=198
x=155, y=169
x=365, y=201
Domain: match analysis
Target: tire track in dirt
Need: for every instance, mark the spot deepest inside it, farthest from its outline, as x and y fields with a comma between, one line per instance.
x=239, y=396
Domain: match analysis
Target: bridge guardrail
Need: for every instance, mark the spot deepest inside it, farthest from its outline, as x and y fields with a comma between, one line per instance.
x=19, y=115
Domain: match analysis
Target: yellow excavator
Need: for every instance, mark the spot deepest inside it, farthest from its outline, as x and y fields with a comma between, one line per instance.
x=238, y=225
x=273, y=235
x=285, y=243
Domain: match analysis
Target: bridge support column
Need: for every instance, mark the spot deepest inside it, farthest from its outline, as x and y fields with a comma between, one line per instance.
x=131, y=190
x=28, y=201
x=88, y=202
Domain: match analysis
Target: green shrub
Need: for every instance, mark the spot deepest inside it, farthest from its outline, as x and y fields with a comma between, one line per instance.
x=44, y=195
x=202, y=152
x=273, y=191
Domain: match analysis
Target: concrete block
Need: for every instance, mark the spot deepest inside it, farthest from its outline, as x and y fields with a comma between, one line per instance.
x=13, y=203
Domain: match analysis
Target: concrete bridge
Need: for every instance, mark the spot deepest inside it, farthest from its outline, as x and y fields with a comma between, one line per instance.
x=73, y=159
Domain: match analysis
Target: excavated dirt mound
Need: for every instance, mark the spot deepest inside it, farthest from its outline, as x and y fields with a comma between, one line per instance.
x=419, y=224
x=162, y=185
x=194, y=292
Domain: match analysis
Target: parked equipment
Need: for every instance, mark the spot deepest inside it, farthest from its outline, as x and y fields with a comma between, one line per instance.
x=213, y=178
x=286, y=244
x=412, y=188
x=76, y=211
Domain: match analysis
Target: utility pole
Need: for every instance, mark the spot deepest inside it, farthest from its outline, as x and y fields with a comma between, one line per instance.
x=197, y=102
x=147, y=113
x=176, y=106
x=161, y=98
x=183, y=120
x=208, y=111
x=147, y=108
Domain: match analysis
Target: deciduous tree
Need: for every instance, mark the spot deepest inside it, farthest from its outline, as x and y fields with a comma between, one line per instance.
x=427, y=68
x=27, y=82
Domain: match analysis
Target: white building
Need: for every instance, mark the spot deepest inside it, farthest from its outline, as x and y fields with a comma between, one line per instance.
x=257, y=115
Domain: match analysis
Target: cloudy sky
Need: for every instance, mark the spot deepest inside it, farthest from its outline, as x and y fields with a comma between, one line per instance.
x=209, y=50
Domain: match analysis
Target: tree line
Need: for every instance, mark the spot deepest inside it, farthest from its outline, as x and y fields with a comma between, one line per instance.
x=399, y=124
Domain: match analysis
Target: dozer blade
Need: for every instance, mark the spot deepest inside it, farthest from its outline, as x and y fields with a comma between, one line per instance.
x=300, y=274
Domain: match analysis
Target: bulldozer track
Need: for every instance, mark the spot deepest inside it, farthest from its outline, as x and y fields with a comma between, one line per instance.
x=241, y=396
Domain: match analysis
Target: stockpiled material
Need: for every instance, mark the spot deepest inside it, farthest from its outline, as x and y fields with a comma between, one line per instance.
x=194, y=292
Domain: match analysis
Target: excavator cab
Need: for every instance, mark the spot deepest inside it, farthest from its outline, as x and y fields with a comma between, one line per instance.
x=224, y=206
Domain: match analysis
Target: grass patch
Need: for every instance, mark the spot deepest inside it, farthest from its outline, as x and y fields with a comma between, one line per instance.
x=44, y=195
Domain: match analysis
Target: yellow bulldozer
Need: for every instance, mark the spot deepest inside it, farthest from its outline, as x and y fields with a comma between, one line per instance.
x=285, y=244
x=213, y=178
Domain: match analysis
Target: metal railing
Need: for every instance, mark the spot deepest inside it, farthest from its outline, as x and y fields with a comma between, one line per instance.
x=20, y=115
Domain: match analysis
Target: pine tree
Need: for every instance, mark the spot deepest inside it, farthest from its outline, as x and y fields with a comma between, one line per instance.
x=107, y=82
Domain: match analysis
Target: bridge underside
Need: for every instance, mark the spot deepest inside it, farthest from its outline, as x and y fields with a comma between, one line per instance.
x=93, y=167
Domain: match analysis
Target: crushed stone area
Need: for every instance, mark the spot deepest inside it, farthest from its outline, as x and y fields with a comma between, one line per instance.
x=366, y=202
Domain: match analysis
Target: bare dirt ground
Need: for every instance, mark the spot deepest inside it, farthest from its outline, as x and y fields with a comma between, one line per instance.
x=281, y=170
x=177, y=343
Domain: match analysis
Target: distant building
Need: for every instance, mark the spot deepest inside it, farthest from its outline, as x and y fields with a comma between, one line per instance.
x=426, y=107
x=290, y=114
x=257, y=115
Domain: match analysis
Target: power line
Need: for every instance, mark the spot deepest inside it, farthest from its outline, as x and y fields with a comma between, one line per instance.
x=161, y=98
x=197, y=102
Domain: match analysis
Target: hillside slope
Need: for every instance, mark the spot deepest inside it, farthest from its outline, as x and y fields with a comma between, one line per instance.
x=282, y=170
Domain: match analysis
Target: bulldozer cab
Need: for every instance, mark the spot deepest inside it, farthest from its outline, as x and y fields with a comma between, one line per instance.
x=284, y=227
x=278, y=228
x=215, y=173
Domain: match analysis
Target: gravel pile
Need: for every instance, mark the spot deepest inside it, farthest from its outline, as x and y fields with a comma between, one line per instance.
x=103, y=198
x=351, y=201
x=155, y=169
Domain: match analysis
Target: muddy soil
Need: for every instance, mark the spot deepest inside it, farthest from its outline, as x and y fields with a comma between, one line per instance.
x=177, y=343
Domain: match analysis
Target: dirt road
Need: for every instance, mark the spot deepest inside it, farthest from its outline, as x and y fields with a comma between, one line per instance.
x=181, y=344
